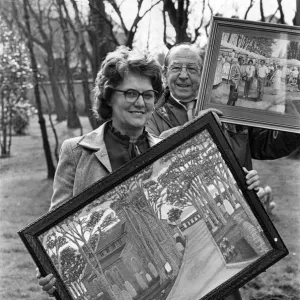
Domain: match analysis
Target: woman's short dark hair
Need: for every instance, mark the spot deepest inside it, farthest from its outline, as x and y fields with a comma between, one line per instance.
x=250, y=60
x=115, y=68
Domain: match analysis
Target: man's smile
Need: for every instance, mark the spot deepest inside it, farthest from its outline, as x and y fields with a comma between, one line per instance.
x=182, y=85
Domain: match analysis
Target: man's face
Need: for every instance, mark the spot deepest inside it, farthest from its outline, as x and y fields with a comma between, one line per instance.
x=262, y=62
x=183, y=74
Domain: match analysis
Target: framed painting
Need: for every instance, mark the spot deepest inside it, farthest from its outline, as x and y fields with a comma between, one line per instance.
x=252, y=74
x=177, y=222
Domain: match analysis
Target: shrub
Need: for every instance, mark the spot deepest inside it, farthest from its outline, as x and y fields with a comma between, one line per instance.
x=21, y=117
x=15, y=79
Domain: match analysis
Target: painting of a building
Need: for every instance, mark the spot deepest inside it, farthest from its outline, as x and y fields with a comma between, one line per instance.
x=135, y=266
x=176, y=233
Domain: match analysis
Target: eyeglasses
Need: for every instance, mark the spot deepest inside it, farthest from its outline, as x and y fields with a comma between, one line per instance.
x=132, y=95
x=190, y=68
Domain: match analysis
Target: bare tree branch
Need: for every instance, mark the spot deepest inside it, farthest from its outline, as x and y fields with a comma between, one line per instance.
x=169, y=46
x=248, y=9
x=201, y=23
x=117, y=10
x=208, y=23
x=273, y=16
x=262, y=15
x=282, y=20
x=108, y=22
x=43, y=34
x=170, y=8
x=79, y=32
x=150, y=8
x=133, y=27
x=296, y=20
x=22, y=27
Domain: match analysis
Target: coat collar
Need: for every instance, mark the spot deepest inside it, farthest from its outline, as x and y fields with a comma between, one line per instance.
x=94, y=140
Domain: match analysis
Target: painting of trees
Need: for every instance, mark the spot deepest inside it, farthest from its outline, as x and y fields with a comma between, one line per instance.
x=256, y=44
x=81, y=230
x=132, y=206
x=72, y=266
x=156, y=195
x=128, y=239
x=174, y=214
x=186, y=180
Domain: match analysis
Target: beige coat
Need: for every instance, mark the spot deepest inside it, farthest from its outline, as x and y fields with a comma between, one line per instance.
x=83, y=161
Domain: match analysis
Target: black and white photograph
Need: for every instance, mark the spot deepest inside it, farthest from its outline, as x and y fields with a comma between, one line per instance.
x=256, y=72
x=265, y=78
x=149, y=149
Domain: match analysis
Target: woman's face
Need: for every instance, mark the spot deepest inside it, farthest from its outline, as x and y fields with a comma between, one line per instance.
x=130, y=118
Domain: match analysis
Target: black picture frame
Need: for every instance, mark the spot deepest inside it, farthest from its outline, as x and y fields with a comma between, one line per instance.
x=272, y=101
x=177, y=215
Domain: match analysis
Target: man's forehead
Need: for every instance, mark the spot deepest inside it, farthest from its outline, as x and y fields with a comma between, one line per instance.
x=183, y=55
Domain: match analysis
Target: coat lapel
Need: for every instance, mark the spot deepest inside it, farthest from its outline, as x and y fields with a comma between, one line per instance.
x=95, y=141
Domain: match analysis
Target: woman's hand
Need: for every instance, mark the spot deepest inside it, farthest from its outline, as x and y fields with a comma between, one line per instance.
x=47, y=282
x=252, y=179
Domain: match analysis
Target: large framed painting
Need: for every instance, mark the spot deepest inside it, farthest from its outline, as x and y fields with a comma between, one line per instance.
x=252, y=74
x=177, y=222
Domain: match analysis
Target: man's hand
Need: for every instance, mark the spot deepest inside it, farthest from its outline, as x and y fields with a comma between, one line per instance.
x=252, y=179
x=215, y=112
x=169, y=132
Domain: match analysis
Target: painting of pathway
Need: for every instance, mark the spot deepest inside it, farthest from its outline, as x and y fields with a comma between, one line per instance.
x=203, y=267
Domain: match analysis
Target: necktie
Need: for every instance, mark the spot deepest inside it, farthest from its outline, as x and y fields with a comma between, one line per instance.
x=190, y=110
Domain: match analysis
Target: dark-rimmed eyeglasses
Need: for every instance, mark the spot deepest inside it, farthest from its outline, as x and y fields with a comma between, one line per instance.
x=190, y=68
x=132, y=95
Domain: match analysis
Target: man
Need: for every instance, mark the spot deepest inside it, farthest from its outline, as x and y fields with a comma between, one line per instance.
x=182, y=73
x=262, y=72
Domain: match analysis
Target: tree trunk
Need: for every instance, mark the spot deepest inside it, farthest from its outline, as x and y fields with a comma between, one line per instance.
x=296, y=20
x=72, y=117
x=84, y=69
x=178, y=18
x=99, y=35
x=50, y=166
x=3, y=127
x=182, y=23
x=262, y=14
x=59, y=107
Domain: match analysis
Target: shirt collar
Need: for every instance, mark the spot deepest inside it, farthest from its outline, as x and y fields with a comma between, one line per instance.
x=179, y=102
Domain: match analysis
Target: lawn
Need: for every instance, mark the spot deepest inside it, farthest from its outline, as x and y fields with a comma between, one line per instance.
x=25, y=195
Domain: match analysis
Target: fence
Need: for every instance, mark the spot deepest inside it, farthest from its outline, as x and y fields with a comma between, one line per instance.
x=78, y=92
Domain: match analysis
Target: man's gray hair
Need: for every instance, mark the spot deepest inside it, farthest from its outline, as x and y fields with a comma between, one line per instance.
x=187, y=46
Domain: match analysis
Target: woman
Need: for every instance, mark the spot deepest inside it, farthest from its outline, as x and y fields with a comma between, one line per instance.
x=126, y=88
x=276, y=80
x=249, y=70
x=125, y=91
